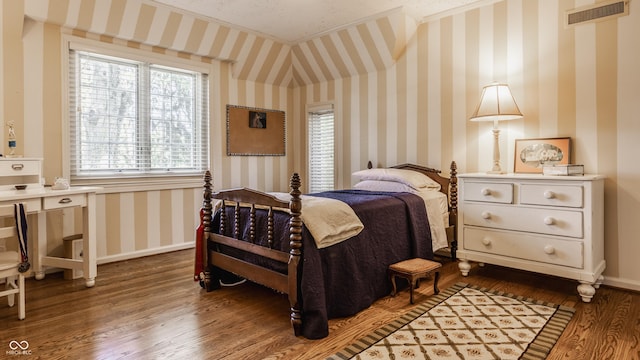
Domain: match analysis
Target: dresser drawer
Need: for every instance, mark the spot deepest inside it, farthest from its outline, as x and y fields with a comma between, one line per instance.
x=535, y=220
x=31, y=205
x=524, y=246
x=19, y=167
x=63, y=201
x=552, y=195
x=488, y=192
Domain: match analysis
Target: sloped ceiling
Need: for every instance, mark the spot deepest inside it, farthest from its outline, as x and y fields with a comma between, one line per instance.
x=294, y=21
x=370, y=45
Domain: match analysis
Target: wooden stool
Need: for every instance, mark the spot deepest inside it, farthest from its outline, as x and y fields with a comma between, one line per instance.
x=413, y=270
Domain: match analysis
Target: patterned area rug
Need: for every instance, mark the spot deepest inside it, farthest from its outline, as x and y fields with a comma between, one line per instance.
x=467, y=322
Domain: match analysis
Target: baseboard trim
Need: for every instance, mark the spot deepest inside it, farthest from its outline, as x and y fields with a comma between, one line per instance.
x=121, y=257
x=621, y=283
x=146, y=252
x=627, y=284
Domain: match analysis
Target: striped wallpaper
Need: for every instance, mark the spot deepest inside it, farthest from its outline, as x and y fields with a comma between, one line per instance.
x=581, y=82
x=370, y=46
x=158, y=25
x=403, y=92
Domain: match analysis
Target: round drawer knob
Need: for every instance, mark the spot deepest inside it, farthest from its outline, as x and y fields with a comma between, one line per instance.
x=549, y=220
x=486, y=215
x=549, y=250
x=486, y=241
x=549, y=194
x=485, y=192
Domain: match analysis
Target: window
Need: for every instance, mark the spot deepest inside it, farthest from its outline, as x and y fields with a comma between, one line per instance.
x=321, y=148
x=135, y=118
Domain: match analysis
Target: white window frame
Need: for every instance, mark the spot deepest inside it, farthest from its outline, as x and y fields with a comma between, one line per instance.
x=137, y=182
x=316, y=108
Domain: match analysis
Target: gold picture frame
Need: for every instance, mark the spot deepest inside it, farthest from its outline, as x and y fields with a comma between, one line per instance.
x=532, y=154
x=254, y=131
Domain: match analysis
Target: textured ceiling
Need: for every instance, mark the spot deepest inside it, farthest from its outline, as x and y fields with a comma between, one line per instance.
x=292, y=21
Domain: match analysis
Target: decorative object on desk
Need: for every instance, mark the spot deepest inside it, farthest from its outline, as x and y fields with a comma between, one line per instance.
x=60, y=184
x=531, y=155
x=12, y=138
x=563, y=170
x=20, y=187
x=252, y=131
x=467, y=322
x=496, y=104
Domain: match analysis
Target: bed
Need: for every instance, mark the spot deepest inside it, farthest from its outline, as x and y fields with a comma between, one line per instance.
x=328, y=265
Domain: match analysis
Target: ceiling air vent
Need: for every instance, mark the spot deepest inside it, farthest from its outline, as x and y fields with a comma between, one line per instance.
x=597, y=12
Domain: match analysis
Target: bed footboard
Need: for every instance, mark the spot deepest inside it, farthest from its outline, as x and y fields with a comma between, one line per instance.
x=214, y=259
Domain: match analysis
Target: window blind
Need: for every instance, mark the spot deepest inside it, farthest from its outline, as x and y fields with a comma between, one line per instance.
x=321, y=149
x=133, y=118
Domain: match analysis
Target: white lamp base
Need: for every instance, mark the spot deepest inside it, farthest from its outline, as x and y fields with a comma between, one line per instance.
x=496, y=151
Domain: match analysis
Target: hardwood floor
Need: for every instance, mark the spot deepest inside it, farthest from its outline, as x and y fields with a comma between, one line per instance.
x=149, y=308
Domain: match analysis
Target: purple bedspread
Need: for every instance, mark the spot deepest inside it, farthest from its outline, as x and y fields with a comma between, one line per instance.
x=345, y=278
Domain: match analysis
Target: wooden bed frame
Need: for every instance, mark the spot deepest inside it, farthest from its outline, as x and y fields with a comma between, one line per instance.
x=448, y=186
x=285, y=283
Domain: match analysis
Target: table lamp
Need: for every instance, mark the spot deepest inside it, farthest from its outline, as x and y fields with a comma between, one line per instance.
x=496, y=104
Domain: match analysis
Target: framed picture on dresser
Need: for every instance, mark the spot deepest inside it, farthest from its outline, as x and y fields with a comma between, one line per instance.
x=532, y=154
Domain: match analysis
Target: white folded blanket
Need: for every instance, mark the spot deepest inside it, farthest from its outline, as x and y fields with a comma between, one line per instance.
x=330, y=221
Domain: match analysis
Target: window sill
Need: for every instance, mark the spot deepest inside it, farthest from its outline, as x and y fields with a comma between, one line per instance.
x=141, y=184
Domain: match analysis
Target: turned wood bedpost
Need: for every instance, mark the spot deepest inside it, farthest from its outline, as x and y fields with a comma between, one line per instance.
x=295, y=243
x=206, y=220
x=453, y=214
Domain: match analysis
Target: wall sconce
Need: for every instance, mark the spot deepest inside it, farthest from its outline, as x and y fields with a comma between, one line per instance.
x=496, y=104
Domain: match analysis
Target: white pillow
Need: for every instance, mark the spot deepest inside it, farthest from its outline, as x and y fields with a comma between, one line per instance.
x=408, y=177
x=380, y=185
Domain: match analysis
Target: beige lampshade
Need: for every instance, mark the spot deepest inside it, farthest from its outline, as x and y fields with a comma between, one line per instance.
x=496, y=104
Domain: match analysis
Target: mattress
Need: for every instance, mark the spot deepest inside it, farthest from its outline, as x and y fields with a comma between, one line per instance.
x=438, y=214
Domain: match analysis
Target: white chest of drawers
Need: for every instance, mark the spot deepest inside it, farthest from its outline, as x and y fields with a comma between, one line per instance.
x=547, y=224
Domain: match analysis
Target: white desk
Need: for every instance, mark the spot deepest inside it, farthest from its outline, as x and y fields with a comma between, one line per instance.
x=40, y=200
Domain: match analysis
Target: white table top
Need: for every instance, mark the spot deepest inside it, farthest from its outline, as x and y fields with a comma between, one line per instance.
x=39, y=192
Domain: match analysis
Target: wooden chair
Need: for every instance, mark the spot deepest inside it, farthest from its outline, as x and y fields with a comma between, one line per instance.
x=11, y=261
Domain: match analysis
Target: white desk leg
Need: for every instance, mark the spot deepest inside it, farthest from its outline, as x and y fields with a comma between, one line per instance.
x=90, y=267
x=41, y=245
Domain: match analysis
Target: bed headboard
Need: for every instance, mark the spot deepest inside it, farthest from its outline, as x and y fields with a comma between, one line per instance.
x=447, y=185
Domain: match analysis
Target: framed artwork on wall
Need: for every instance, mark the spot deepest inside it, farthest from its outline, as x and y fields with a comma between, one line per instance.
x=253, y=131
x=532, y=154
x=258, y=119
